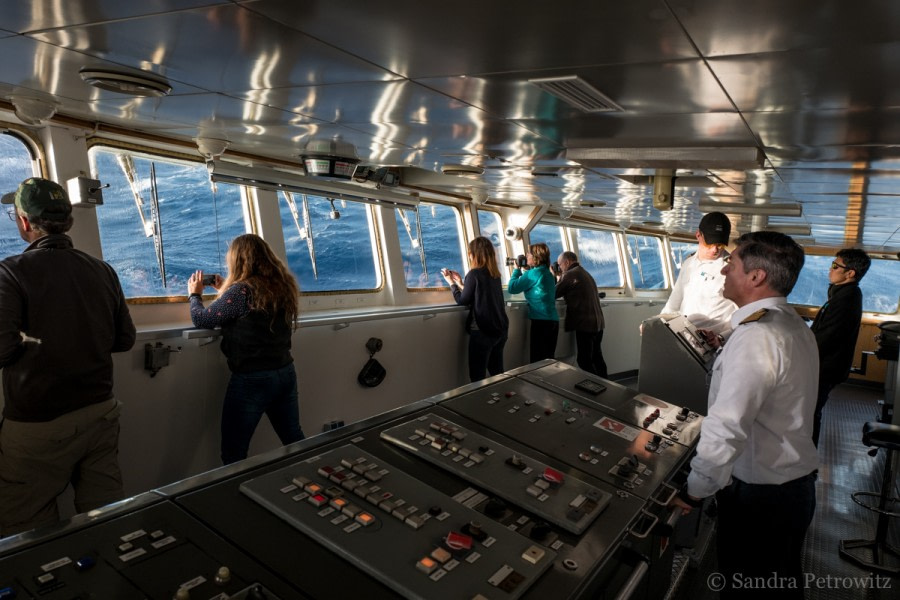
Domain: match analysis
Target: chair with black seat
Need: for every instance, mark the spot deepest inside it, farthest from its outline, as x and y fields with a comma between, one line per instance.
x=886, y=436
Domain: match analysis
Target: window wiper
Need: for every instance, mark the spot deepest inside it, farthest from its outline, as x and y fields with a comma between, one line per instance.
x=304, y=230
x=126, y=163
x=416, y=240
x=157, y=225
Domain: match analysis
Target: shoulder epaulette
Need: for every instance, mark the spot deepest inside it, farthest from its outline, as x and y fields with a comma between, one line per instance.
x=755, y=316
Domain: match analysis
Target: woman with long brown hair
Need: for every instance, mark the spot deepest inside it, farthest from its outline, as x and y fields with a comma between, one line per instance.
x=257, y=309
x=487, y=323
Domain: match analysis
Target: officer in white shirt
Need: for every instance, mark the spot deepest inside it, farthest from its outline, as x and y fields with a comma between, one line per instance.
x=697, y=293
x=755, y=451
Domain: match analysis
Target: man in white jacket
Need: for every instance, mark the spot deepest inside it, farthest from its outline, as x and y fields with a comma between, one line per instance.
x=697, y=293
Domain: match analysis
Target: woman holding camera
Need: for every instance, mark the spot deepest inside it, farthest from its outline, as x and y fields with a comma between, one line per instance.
x=539, y=286
x=487, y=323
x=257, y=308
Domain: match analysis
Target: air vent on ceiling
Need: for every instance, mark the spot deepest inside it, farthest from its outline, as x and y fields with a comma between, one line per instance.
x=579, y=93
x=138, y=83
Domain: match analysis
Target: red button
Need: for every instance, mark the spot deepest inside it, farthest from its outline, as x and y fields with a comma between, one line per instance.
x=458, y=541
x=553, y=476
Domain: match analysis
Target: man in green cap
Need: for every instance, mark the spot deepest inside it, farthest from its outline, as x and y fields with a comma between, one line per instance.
x=62, y=314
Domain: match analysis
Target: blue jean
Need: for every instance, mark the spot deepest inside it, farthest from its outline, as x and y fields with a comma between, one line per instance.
x=485, y=352
x=248, y=396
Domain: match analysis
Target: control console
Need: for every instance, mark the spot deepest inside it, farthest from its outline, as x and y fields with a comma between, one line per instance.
x=516, y=477
x=409, y=536
x=575, y=433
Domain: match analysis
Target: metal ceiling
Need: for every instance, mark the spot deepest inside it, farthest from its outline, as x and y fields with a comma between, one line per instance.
x=814, y=86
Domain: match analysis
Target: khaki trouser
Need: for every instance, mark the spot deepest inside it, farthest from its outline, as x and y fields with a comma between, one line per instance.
x=39, y=460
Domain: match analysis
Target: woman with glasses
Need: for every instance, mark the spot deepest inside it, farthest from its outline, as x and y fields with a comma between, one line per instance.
x=539, y=286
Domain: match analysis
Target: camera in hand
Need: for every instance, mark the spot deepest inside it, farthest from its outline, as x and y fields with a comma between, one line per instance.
x=555, y=269
x=209, y=279
x=520, y=261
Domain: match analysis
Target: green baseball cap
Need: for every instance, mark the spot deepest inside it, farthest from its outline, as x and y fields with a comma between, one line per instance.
x=41, y=198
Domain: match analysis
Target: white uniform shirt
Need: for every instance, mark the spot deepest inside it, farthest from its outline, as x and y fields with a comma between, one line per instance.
x=761, y=402
x=697, y=294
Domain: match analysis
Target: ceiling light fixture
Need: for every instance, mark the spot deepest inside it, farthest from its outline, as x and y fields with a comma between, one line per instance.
x=132, y=83
x=748, y=157
x=789, y=229
x=212, y=148
x=31, y=110
x=769, y=210
x=275, y=180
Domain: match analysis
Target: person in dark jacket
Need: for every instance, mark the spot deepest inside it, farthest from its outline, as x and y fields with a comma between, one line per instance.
x=62, y=315
x=837, y=325
x=583, y=313
x=487, y=324
x=257, y=310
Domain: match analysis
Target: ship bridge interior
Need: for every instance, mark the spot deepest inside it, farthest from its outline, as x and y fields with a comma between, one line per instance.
x=641, y=114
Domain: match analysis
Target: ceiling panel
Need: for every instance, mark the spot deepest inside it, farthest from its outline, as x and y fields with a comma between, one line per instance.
x=814, y=86
x=422, y=39
x=35, y=15
x=220, y=48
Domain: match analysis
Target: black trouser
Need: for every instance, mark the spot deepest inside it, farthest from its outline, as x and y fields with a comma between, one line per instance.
x=485, y=352
x=590, y=354
x=822, y=397
x=543, y=339
x=760, y=537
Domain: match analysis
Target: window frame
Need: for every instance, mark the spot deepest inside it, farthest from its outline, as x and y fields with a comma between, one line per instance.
x=461, y=237
x=663, y=255
x=35, y=150
x=505, y=271
x=829, y=253
x=374, y=238
x=616, y=238
x=151, y=153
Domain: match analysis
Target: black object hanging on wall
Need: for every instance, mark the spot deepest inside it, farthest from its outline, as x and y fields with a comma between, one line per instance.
x=372, y=373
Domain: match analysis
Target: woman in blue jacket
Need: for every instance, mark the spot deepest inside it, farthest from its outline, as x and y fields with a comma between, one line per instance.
x=539, y=287
x=487, y=324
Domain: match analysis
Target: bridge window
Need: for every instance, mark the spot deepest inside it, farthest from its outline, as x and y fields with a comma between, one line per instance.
x=552, y=235
x=680, y=251
x=161, y=220
x=492, y=228
x=16, y=165
x=879, y=286
x=330, y=244
x=645, y=257
x=598, y=254
x=430, y=240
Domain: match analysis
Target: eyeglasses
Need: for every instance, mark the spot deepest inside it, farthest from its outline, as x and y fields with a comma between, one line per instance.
x=12, y=214
x=835, y=265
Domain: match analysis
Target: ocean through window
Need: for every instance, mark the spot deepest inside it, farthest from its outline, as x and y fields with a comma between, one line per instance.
x=430, y=240
x=15, y=166
x=161, y=220
x=330, y=244
x=645, y=258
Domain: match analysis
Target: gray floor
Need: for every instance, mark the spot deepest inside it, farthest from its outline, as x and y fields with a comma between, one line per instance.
x=845, y=467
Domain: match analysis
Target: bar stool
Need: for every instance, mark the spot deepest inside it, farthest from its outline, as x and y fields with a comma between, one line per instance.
x=878, y=435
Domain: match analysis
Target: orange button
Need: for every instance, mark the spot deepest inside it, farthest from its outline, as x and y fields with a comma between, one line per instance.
x=365, y=519
x=426, y=565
